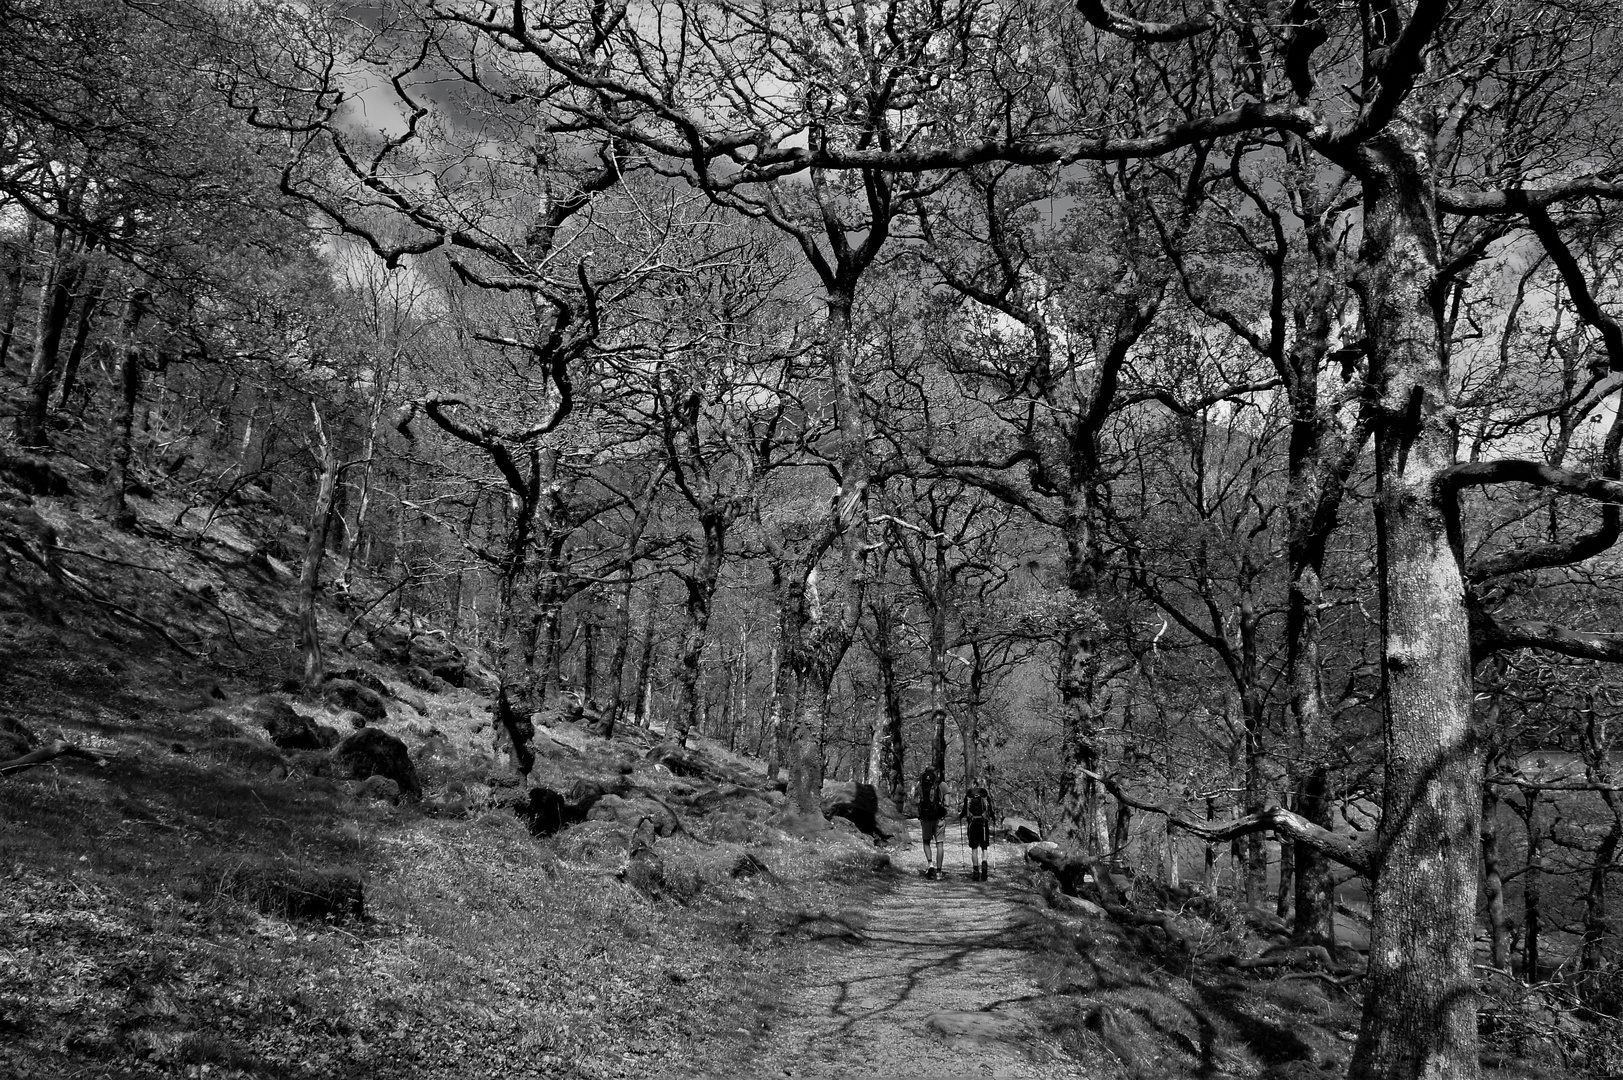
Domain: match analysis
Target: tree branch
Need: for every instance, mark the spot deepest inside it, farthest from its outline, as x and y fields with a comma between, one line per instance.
x=1114, y=22
x=1350, y=851
x=1535, y=473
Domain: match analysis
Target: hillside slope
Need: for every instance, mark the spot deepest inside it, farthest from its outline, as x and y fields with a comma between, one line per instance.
x=183, y=893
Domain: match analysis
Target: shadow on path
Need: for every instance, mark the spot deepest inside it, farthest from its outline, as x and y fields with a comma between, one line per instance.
x=937, y=984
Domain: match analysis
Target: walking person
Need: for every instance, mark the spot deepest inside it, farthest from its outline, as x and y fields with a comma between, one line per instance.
x=977, y=811
x=932, y=809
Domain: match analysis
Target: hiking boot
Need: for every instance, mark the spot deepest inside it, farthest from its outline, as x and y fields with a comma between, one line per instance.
x=984, y=871
x=931, y=874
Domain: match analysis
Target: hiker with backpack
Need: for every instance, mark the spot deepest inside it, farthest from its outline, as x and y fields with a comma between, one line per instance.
x=932, y=808
x=977, y=811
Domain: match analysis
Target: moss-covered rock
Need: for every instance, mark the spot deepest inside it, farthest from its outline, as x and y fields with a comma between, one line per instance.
x=372, y=752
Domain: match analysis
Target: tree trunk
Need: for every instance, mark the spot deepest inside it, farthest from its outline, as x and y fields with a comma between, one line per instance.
x=322, y=514
x=1420, y=998
x=1320, y=461
x=726, y=723
x=1592, y=965
x=805, y=740
x=813, y=642
x=1493, y=885
x=614, y=708
x=701, y=589
x=1209, y=870
x=976, y=760
x=1256, y=796
x=1169, y=861
x=543, y=646
x=130, y=366
x=1083, y=820
x=510, y=673
x=886, y=765
x=16, y=286
x=1597, y=928
x=937, y=600
x=81, y=336
x=1253, y=704
x=56, y=300
x=363, y=498
x=643, y=693
x=588, y=656
x=1532, y=886
x=772, y=733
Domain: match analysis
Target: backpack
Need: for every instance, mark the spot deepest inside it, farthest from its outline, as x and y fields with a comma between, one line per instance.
x=930, y=804
x=979, y=806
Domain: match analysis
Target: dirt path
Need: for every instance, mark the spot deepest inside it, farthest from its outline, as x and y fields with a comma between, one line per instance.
x=937, y=985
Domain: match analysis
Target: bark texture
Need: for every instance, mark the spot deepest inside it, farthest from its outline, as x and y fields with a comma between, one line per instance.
x=1420, y=1003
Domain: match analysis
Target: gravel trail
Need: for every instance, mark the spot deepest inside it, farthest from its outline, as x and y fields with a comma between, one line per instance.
x=935, y=985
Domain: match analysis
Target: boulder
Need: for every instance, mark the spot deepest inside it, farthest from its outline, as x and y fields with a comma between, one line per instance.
x=371, y=752
x=440, y=659
x=633, y=812
x=898, y=834
x=861, y=805
x=417, y=702
x=266, y=708
x=854, y=802
x=645, y=871
x=846, y=826
x=599, y=721
x=287, y=728
x=804, y=826
x=364, y=678
x=690, y=762
x=430, y=660
x=546, y=811
x=348, y=694
x=426, y=680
